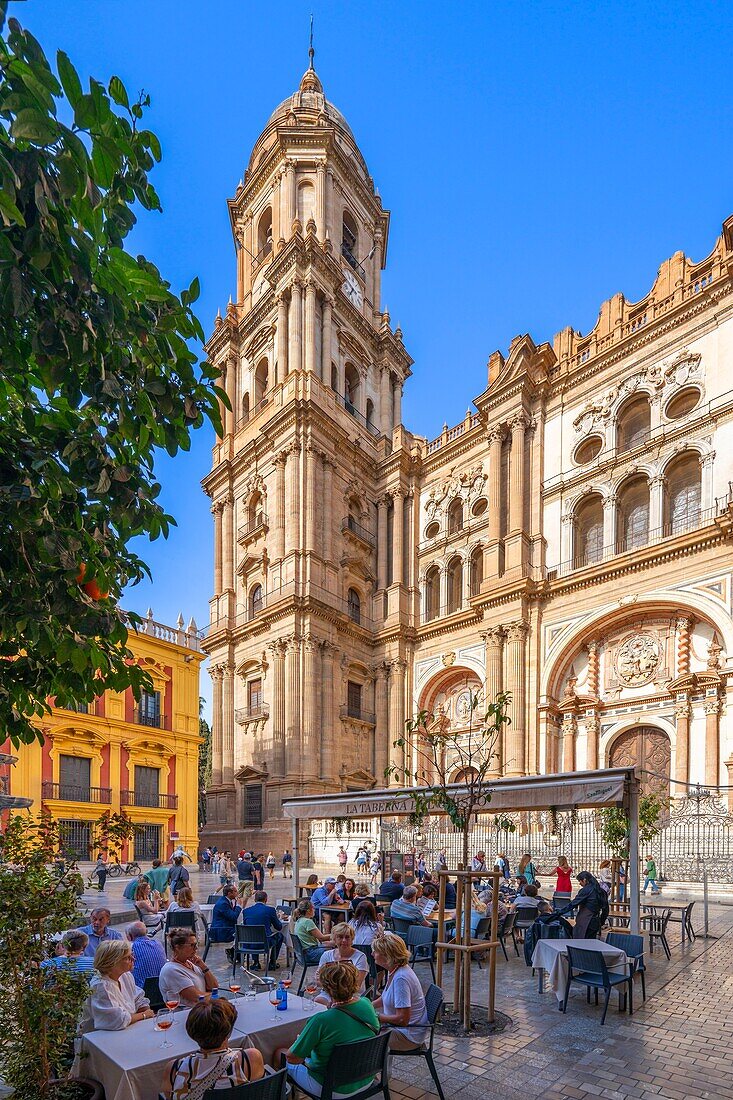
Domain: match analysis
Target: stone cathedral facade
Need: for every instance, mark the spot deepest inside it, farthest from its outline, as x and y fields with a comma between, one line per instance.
x=569, y=541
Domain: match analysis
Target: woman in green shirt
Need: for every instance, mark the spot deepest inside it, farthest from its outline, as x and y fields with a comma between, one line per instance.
x=305, y=928
x=349, y=1019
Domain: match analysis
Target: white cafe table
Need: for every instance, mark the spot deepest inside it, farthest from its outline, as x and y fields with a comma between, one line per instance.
x=206, y=911
x=131, y=1063
x=552, y=956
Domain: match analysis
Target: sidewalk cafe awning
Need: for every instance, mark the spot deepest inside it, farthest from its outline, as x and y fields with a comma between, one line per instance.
x=610, y=787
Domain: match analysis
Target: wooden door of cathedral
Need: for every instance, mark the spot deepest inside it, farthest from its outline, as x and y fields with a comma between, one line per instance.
x=647, y=748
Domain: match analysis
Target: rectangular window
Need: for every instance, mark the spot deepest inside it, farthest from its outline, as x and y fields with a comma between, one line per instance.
x=75, y=838
x=147, y=786
x=74, y=778
x=254, y=696
x=353, y=699
x=253, y=805
x=149, y=709
x=147, y=843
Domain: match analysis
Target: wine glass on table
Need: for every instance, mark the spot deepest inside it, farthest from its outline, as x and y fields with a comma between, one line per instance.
x=173, y=1002
x=164, y=1021
x=310, y=990
x=235, y=986
x=274, y=996
x=286, y=978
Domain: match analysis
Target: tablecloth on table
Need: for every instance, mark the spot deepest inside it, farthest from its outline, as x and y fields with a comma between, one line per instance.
x=551, y=955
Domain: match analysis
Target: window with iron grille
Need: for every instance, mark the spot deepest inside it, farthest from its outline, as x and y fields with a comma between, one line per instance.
x=147, y=843
x=253, y=805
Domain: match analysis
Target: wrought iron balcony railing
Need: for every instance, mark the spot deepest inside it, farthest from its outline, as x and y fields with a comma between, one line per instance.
x=350, y=524
x=348, y=710
x=72, y=792
x=149, y=800
x=149, y=718
x=248, y=714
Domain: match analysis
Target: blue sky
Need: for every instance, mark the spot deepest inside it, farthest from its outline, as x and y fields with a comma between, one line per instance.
x=536, y=159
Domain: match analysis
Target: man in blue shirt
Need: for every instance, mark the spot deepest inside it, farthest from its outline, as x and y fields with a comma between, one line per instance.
x=393, y=887
x=263, y=914
x=325, y=895
x=224, y=919
x=405, y=908
x=73, y=958
x=245, y=869
x=98, y=931
x=149, y=956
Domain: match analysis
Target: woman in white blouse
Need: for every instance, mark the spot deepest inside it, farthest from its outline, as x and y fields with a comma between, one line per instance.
x=115, y=1001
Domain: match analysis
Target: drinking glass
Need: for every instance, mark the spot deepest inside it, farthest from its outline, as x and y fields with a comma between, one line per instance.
x=234, y=987
x=173, y=1002
x=274, y=1001
x=163, y=1021
x=286, y=978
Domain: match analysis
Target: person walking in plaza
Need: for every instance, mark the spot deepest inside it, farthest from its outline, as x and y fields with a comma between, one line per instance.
x=650, y=876
x=287, y=864
x=563, y=887
x=270, y=864
x=374, y=868
x=100, y=871
x=421, y=867
x=343, y=858
x=502, y=864
x=178, y=875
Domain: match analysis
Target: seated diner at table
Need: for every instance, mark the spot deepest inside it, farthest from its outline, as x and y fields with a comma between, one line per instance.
x=114, y=1001
x=591, y=901
x=98, y=930
x=392, y=887
x=349, y=1019
x=527, y=900
x=366, y=922
x=224, y=917
x=328, y=894
x=406, y=908
x=312, y=940
x=402, y=1003
x=185, y=975
x=348, y=890
x=214, y=1065
x=343, y=951
x=149, y=907
x=184, y=903
x=70, y=954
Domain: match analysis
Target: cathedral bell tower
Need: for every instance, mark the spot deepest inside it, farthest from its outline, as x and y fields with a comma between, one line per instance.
x=314, y=374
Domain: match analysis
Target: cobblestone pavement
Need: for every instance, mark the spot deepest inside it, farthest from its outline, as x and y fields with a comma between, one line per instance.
x=676, y=1045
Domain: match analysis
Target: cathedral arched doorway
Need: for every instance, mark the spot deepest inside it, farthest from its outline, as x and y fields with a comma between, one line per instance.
x=647, y=748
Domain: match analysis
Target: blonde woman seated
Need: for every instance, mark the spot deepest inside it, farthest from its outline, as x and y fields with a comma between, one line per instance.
x=344, y=951
x=348, y=1019
x=115, y=1001
x=185, y=975
x=184, y=903
x=148, y=906
x=402, y=1003
x=214, y=1065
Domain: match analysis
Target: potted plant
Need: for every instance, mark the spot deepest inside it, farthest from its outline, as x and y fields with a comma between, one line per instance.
x=39, y=1008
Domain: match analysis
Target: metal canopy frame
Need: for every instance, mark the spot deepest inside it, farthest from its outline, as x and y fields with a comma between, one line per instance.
x=606, y=787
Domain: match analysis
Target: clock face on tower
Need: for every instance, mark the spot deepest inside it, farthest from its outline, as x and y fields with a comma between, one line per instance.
x=351, y=289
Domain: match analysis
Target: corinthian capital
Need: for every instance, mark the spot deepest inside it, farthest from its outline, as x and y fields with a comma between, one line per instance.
x=517, y=632
x=520, y=422
x=496, y=434
x=494, y=636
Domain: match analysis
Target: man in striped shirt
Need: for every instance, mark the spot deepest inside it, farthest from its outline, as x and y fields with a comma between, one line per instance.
x=149, y=956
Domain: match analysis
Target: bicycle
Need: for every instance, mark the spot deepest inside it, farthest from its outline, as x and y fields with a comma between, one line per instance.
x=116, y=870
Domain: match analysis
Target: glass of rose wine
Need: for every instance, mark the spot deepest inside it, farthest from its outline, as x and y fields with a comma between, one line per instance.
x=164, y=1021
x=172, y=1003
x=234, y=987
x=309, y=1001
x=274, y=1001
x=286, y=978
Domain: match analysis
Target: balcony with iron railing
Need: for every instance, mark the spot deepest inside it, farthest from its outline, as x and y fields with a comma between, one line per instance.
x=355, y=528
x=254, y=712
x=72, y=792
x=359, y=417
x=149, y=718
x=149, y=800
x=255, y=525
x=349, y=710
x=301, y=594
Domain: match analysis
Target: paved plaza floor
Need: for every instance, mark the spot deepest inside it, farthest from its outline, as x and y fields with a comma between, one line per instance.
x=678, y=1044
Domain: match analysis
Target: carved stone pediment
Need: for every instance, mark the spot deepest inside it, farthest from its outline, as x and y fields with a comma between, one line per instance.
x=248, y=773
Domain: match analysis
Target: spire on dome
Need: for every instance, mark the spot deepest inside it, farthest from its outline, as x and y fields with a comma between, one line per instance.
x=310, y=81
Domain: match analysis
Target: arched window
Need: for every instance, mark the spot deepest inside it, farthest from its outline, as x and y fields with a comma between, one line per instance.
x=245, y=408
x=264, y=234
x=633, y=423
x=455, y=584
x=432, y=593
x=353, y=603
x=477, y=570
x=262, y=375
x=588, y=532
x=683, y=497
x=455, y=516
x=255, y=514
x=256, y=598
x=632, y=523
x=370, y=414
x=306, y=203
x=351, y=388
x=350, y=239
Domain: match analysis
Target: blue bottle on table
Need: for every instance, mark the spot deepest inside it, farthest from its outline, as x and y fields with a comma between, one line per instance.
x=282, y=998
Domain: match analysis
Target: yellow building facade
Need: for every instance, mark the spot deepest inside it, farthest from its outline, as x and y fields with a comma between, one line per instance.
x=121, y=755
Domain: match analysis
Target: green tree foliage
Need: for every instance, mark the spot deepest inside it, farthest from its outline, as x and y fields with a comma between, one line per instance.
x=204, y=763
x=39, y=1008
x=615, y=824
x=97, y=376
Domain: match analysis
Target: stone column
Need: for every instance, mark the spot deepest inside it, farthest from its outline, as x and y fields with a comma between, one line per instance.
x=466, y=579
x=293, y=752
x=592, y=738
x=310, y=326
x=385, y=401
x=327, y=513
x=329, y=199
x=227, y=770
x=491, y=554
x=656, y=505
x=683, y=713
x=683, y=645
x=493, y=640
x=381, y=732
x=291, y=203
x=569, y=736
x=516, y=474
x=398, y=531
x=277, y=651
x=729, y=768
x=328, y=733
x=609, y=525
x=568, y=527
x=382, y=505
x=280, y=505
x=295, y=348
x=292, y=514
x=227, y=536
x=593, y=650
x=326, y=337
x=376, y=267
x=514, y=763
x=231, y=388
x=397, y=407
x=217, y=679
x=312, y=701
x=397, y=753
x=712, y=741
x=321, y=199
x=311, y=503
x=216, y=510
x=282, y=338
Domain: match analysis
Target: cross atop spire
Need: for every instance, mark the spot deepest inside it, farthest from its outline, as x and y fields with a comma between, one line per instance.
x=310, y=81
x=311, y=51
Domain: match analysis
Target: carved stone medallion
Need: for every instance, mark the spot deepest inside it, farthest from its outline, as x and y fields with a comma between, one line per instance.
x=638, y=659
